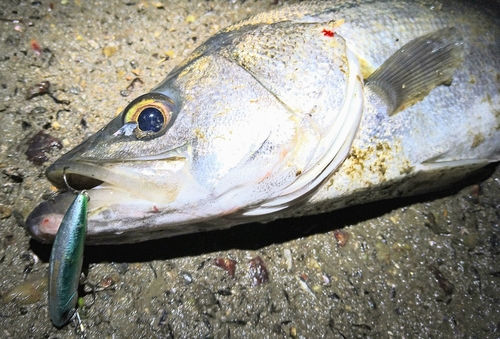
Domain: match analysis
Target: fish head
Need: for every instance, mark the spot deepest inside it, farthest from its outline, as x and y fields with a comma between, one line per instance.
x=126, y=154
x=238, y=130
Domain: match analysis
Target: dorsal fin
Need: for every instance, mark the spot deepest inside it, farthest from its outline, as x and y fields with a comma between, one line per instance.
x=417, y=68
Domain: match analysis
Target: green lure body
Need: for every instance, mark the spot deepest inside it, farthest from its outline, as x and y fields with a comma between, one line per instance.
x=66, y=261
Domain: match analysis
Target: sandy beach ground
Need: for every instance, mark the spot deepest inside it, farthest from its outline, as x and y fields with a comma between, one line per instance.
x=425, y=267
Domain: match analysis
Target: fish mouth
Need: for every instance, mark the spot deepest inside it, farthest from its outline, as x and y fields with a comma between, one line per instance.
x=44, y=221
x=112, y=192
x=115, y=187
x=63, y=178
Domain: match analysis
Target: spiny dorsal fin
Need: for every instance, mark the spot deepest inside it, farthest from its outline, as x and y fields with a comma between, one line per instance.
x=417, y=68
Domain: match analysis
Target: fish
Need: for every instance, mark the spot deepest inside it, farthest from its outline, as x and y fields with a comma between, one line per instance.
x=66, y=260
x=297, y=111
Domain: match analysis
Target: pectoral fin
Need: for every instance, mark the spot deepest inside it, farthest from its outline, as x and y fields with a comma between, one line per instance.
x=417, y=68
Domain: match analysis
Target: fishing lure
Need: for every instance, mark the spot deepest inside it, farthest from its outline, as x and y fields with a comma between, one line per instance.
x=66, y=261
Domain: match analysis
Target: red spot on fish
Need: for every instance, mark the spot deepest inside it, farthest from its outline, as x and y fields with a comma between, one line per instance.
x=48, y=226
x=35, y=46
x=155, y=209
x=328, y=33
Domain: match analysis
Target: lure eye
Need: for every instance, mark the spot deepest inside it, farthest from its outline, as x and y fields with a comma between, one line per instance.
x=151, y=113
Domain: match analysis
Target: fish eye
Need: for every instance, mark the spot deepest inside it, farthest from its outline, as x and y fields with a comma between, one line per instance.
x=151, y=119
x=151, y=113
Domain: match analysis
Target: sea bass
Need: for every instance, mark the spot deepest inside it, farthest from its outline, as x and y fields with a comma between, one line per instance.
x=297, y=111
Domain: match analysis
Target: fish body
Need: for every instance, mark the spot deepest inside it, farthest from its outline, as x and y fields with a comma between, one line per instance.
x=66, y=259
x=297, y=111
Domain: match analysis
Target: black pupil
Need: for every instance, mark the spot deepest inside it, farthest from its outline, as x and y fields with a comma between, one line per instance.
x=150, y=120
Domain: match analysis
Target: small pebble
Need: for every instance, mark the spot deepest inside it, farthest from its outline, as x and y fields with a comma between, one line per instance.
x=74, y=90
x=39, y=145
x=56, y=125
x=287, y=253
x=27, y=292
x=228, y=265
x=341, y=236
x=258, y=271
x=38, y=110
x=109, y=51
x=134, y=64
x=5, y=211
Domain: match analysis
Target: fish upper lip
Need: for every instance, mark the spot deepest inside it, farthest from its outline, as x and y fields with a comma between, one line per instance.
x=87, y=173
x=75, y=179
x=133, y=176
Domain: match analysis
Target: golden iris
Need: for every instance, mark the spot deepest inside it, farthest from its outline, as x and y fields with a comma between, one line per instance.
x=150, y=112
